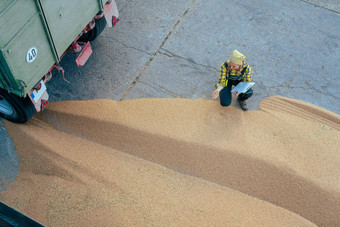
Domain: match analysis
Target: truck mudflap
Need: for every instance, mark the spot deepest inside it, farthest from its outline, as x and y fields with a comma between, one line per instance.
x=83, y=55
x=111, y=13
x=39, y=96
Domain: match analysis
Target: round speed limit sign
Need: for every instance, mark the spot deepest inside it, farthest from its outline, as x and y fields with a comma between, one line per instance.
x=31, y=54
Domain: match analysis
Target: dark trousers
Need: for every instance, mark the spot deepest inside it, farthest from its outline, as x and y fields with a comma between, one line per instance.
x=225, y=93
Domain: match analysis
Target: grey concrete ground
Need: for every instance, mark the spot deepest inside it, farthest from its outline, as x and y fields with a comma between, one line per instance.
x=162, y=49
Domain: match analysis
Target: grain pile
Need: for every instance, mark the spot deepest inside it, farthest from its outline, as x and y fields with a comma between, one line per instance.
x=178, y=162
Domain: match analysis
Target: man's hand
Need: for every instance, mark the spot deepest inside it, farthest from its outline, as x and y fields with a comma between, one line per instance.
x=215, y=94
x=236, y=93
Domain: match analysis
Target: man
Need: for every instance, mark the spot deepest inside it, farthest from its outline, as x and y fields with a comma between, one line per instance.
x=232, y=72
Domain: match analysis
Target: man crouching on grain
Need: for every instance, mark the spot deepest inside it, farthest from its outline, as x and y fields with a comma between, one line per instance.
x=232, y=72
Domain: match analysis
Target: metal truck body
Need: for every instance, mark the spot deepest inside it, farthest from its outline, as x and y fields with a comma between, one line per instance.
x=35, y=34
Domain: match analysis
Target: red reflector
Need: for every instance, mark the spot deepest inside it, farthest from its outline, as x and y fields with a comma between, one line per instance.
x=43, y=104
x=114, y=21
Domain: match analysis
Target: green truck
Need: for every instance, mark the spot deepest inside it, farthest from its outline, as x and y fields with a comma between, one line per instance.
x=35, y=35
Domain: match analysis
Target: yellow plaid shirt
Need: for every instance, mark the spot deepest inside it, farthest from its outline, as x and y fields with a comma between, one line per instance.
x=223, y=79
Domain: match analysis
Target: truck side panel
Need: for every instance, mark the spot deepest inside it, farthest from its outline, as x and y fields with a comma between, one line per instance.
x=13, y=17
x=33, y=35
x=70, y=16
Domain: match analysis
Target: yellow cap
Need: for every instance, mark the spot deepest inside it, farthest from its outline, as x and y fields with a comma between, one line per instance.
x=237, y=58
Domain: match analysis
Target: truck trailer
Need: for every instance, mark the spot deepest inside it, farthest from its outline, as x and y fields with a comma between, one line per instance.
x=35, y=35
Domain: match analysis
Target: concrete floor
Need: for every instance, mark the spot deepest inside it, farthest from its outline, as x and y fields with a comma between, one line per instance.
x=175, y=51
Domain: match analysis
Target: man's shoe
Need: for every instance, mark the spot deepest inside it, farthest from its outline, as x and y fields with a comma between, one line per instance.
x=243, y=104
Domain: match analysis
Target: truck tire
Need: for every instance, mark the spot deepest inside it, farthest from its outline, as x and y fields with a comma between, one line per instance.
x=95, y=32
x=14, y=108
